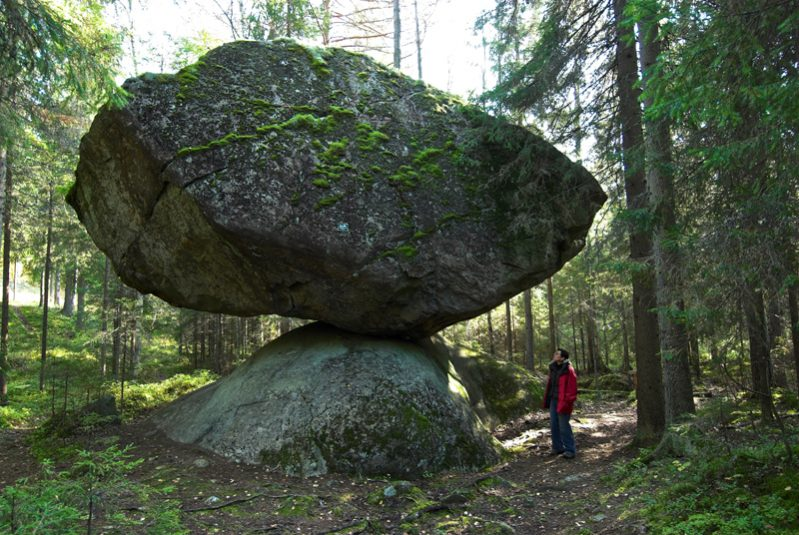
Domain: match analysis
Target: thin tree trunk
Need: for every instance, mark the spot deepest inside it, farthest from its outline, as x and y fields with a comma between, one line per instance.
x=755, y=316
x=116, y=348
x=650, y=409
x=6, y=177
x=324, y=23
x=508, y=331
x=793, y=306
x=70, y=282
x=574, y=342
x=529, y=340
x=625, y=355
x=591, y=335
x=582, y=343
x=204, y=325
x=195, y=335
x=693, y=349
x=47, y=266
x=104, y=320
x=397, y=35
x=136, y=321
x=677, y=387
x=418, y=40
x=553, y=339
x=82, y=289
x=490, y=335
x=56, y=285
x=218, y=345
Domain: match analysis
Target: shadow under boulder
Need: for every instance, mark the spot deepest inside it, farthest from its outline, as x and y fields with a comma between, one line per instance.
x=320, y=399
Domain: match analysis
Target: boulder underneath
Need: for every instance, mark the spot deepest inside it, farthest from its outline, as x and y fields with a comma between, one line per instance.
x=321, y=400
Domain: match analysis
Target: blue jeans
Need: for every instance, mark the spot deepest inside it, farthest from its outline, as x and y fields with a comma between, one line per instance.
x=562, y=436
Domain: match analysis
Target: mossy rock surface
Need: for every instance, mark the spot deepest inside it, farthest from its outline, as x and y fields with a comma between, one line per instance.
x=321, y=400
x=613, y=381
x=316, y=183
x=498, y=390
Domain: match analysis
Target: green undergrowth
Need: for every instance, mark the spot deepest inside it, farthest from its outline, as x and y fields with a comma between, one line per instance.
x=93, y=495
x=143, y=397
x=715, y=484
x=72, y=372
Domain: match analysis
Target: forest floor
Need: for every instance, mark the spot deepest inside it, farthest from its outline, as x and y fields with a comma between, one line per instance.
x=529, y=494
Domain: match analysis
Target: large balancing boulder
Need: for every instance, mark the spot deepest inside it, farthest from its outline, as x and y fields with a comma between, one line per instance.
x=321, y=400
x=316, y=183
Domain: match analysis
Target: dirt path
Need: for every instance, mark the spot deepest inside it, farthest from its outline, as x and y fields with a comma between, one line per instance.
x=531, y=493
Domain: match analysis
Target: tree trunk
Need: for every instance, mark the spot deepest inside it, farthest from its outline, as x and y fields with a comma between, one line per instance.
x=677, y=388
x=490, y=335
x=756, y=327
x=45, y=306
x=82, y=289
x=508, y=331
x=104, y=320
x=6, y=177
x=591, y=335
x=324, y=23
x=529, y=340
x=574, y=343
x=553, y=339
x=136, y=325
x=116, y=348
x=625, y=348
x=397, y=35
x=650, y=409
x=203, y=331
x=69, y=290
x=56, y=285
x=195, y=330
x=793, y=306
x=418, y=40
x=693, y=349
x=218, y=343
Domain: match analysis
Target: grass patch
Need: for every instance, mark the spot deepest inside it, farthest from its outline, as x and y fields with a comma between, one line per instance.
x=744, y=488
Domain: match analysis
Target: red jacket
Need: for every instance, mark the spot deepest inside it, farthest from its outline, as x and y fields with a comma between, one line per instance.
x=567, y=390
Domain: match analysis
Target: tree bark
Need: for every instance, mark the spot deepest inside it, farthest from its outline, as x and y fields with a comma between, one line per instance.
x=324, y=23
x=82, y=289
x=6, y=177
x=650, y=409
x=418, y=40
x=625, y=355
x=490, y=334
x=104, y=320
x=529, y=340
x=759, y=360
x=793, y=306
x=116, y=346
x=195, y=335
x=397, y=35
x=677, y=387
x=693, y=352
x=70, y=282
x=46, y=304
x=508, y=331
x=56, y=285
x=591, y=335
x=553, y=339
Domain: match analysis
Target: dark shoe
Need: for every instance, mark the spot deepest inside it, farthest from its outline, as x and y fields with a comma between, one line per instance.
x=568, y=455
x=555, y=452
